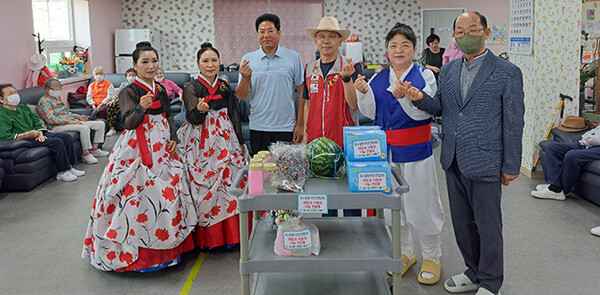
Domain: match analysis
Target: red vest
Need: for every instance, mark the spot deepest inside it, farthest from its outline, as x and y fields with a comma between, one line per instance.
x=328, y=112
x=99, y=92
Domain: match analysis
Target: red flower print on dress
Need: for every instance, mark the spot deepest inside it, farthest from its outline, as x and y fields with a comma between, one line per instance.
x=226, y=173
x=111, y=167
x=225, y=135
x=123, y=162
x=111, y=255
x=94, y=206
x=218, y=124
x=211, y=152
x=169, y=194
x=110, y=209
x=162, y=234
x=209, y=174
x=131, y=232
x=175, y=180
x=142, y=218
x=156, y=147
x=132, y=142
x=177, y=219
x=222, y=155
x=87, y=241
x=232, y=206
x=114, y=181
x=126, y=257
x=206, y=216
x=215, y=210
x=212, y=121
x=111, y=234
x=102, y=207
x=208, y=196
x=128, y=190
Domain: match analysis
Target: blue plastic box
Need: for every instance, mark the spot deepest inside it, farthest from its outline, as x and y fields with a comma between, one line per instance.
x=365, y=144
x=373, y=176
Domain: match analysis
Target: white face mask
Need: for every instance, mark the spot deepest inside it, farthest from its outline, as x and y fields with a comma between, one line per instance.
x=159, y=80
x=54, y=93
x=13, y=100
x=130, y=79
x=99, y=78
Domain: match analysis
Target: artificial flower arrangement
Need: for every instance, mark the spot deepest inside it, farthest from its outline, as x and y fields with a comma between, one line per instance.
x=69, y=61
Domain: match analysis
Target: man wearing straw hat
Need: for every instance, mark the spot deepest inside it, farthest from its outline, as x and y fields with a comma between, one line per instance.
x=563, y=161
x=329, y=88
x=328, y=85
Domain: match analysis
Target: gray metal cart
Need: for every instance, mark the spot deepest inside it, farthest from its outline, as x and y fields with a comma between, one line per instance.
x=355, y=252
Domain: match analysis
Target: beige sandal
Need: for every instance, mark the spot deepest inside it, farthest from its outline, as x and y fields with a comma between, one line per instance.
x=432, y=267
x=406, y=263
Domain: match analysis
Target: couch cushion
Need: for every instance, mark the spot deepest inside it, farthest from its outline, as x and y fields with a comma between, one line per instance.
x=34, y=166
x=31, y=95
x=563, y=136
x=114, y=79
x=593, y=167
x=179, y=78
x=232, y=75
x=32, y=154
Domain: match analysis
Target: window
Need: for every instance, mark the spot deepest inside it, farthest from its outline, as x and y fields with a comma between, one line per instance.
x=52, y=19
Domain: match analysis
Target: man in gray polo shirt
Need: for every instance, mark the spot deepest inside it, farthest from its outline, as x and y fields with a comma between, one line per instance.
x=268, y=77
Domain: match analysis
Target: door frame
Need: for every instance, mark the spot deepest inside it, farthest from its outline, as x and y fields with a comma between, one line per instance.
x=464, y=9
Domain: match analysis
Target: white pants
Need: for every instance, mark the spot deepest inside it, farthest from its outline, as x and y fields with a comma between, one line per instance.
x=84, y=132
x=421, y=209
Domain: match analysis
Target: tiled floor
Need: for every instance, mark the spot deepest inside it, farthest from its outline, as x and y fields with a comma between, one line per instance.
x=548, y=247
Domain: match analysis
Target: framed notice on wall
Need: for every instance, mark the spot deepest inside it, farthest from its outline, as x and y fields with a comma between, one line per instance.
x=521, y=27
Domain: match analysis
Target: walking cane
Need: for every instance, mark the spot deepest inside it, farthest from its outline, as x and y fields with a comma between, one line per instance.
x=560, y=112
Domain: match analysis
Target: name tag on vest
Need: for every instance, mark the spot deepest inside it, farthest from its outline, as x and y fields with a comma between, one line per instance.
x=314, y=88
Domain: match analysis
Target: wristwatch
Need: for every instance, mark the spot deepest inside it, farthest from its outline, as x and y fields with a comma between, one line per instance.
x=347, y=79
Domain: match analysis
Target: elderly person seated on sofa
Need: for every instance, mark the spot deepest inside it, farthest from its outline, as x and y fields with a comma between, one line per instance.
x=563, y=161
x=52, y=109
x=100, y=93
x=18, y=122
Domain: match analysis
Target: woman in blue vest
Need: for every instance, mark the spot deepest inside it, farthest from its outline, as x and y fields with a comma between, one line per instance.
x=408, y=131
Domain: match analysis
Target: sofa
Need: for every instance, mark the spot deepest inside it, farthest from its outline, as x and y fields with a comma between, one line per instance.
x=26, y=167
x=588, y=185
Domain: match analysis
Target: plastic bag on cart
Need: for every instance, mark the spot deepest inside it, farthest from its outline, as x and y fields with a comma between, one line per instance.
x=297, y=238
x=292, y=166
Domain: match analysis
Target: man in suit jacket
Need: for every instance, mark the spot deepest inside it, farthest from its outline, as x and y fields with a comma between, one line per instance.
x=480, y=99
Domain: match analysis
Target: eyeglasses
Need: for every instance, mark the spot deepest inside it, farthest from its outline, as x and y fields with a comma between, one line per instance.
x=403, y=46
x=471, y=32
x=268, y=31
x=327, y=36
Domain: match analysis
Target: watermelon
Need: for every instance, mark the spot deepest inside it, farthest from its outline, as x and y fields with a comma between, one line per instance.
x=325, y=156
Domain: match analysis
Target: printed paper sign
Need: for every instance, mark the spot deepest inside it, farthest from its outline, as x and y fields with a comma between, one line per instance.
x=297, y=239
x=372, y=181
x=312, y=204
x=367, y=148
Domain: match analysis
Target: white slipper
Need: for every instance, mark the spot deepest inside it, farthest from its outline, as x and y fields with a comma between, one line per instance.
x=596, y=231
x=460, y=283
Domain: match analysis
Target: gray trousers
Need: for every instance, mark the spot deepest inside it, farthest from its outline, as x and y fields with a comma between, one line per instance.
x=84, y=132
x=477, y=220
